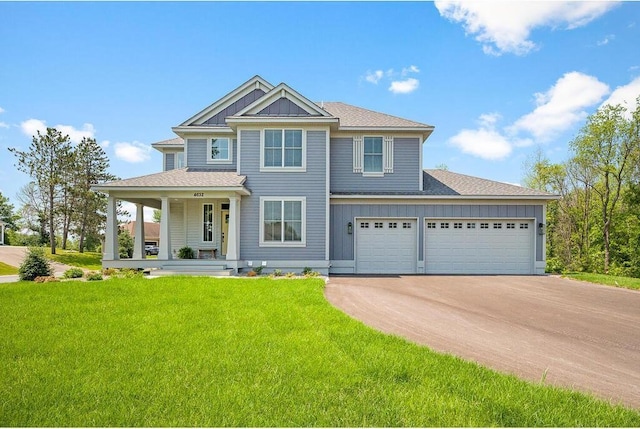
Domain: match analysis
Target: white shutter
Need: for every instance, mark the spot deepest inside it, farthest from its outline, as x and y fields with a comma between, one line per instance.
x=358, y=154
x=387, y=154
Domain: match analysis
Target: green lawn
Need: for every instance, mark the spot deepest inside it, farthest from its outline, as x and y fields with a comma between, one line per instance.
x=242, y=352
x=6, y=270
x=88, y=260
x=604, y=279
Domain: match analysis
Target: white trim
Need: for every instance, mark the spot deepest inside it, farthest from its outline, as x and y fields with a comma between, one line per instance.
x=228, y=160
x=283, y=169
x=432, y=199
x=387, y=154
x=421, y=172
x=303, y=208
x=283, y=91
x=358, y=149
x=327, y=193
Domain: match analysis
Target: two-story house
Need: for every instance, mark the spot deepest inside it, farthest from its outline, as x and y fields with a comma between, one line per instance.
x=266, y=177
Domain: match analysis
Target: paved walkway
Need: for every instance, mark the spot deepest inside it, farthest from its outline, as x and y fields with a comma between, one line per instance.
x=569, y=333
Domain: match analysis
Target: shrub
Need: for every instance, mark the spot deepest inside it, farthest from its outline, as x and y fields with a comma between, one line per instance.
x=306, y=270
x=258, y=270
x=312, y=274
x=109, y=271
x=554, y=265
x=290, y=275
x=252, y=274
x=277, y=273
x=35, y=265
x=94, y=275
x=186, y=252
x=73, y=273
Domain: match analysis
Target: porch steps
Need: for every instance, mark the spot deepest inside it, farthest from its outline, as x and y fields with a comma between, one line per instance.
x=195, y=269
x=204, y=273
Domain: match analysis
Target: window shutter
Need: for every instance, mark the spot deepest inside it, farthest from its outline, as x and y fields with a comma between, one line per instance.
x=387, y=151
x=358, y=151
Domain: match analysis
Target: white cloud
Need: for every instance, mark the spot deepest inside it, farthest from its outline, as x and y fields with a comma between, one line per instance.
x=132, y=209
x=484, y=142
x=606, y=40
x=404, y=86
x=410, y=69
x=2, y=110
x=31, y=127
x=105, y=144
x=505, y=26
x=374, y=77
x=562, y=106
x=625, y=95
x=4, y=125
x=132, y=152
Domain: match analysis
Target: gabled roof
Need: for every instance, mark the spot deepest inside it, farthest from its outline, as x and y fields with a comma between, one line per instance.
x=253, y=84
x=169, y=143
x=283, y=91
x=443, y=182
x=179, y=178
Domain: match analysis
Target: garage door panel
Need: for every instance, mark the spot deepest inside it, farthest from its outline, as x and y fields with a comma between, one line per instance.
x=386, y=246
x=478, y=246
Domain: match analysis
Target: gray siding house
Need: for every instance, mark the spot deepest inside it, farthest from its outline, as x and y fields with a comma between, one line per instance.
x=266, y=177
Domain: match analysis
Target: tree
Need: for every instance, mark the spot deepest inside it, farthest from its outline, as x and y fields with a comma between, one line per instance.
x=157, y=216
x=604, y=149
x=6, y=212
x=91, y=165
x=46, y=162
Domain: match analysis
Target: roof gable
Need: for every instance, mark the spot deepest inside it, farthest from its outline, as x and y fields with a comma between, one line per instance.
x=283, y=101
x=245, y=95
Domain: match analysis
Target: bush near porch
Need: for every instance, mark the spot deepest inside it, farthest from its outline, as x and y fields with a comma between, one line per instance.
x=242, y=352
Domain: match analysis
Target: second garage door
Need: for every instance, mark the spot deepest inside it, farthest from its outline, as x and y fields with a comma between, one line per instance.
x=468, y=246
x=386, y=246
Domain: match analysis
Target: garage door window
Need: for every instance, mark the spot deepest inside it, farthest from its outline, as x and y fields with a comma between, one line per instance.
x=431, y=225
x=524, y=226
x=471, y=225
x=406, y=225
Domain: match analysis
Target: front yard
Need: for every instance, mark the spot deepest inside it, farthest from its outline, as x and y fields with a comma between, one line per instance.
x=242, y=352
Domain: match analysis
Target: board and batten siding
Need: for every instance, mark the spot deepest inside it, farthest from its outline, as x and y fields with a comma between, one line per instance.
x=197, y=155
x=310, y=184
x=176, y=226
x=342, y=243
x=406, y=165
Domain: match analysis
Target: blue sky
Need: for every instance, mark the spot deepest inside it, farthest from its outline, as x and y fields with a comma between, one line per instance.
x=497, y=80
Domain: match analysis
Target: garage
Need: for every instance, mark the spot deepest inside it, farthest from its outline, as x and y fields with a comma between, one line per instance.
x=479, y=246
x=386, y=245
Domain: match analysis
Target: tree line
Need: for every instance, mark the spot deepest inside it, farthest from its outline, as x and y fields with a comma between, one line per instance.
x=595, y=225
x=58, y=203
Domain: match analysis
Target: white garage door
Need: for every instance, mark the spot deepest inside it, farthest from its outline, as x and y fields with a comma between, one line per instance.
x=386, y=246
x=478, y=246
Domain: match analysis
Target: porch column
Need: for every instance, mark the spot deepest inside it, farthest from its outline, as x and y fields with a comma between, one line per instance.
x=138, y=245
x=165, y=234
x=110, y=251
x=234, y=225
x=1, y=233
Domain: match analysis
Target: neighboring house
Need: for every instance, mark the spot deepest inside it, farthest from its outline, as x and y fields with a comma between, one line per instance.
x=266, y=177
x=151, y=231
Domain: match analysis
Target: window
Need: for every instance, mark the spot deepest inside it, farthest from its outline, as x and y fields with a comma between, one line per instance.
x=524, y=226
x=179, y=160
x=406, y=225
x=471, y=225
x=457, y=225
x=282, y=221
x=444, y=225
x=393, y=225
x=497, y=226
x=431, y=225
x=511, y=225
x=207, y=223
x=373, y=154
x=219, y=150
x=364, y=224
x=484, y=226
x=378, y=225
x=283, y=149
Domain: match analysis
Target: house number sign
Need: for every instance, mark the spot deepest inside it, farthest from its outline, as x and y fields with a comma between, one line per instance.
x=198, y=194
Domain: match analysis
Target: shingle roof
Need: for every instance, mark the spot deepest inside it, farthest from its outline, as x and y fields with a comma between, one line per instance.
x=353, y=116
x=174, y=141
x=181, y=178
x=443, y=182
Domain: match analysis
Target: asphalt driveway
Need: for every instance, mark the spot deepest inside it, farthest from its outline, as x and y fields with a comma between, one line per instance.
x=565, y=332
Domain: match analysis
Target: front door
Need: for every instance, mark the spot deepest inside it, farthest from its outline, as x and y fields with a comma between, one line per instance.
x=225, y=229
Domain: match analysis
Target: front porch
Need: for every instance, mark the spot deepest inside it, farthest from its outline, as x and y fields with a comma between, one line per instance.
x=200, y=209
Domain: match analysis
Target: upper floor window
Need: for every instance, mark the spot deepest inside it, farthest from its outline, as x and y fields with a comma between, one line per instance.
x=373, y=155
x=219, y=150
x=179, y=160
x=283, y=149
